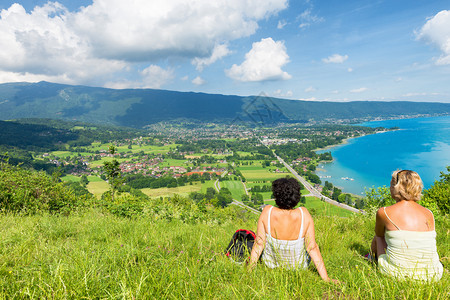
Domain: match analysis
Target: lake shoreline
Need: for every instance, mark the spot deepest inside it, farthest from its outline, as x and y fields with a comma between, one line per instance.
x=420, y=144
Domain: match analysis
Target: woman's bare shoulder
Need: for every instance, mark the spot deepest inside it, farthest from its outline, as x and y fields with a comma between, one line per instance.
x=305, y=211
x=265, y=210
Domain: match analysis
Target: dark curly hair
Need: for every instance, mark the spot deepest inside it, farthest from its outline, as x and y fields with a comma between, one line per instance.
x=286, y=192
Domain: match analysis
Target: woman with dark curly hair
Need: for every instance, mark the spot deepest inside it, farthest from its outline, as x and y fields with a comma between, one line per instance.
x=287, y=234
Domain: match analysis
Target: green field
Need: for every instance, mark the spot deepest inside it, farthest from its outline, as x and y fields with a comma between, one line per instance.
x=72, y=178
x=174, y=162
x=135, y=148
x=243, y=153
x=167, y=192
x=98, y=187
x=207, y=184
x=257, y=174
x=64, y=154
x=93, y=178
x=236, y=188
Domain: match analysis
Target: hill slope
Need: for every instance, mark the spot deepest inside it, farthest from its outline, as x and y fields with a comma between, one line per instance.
x=140, y=107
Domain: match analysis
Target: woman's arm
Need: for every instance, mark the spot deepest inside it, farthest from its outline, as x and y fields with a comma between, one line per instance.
x=379, y=244
x=380, y=223
x=313, y=248
x=260, y=240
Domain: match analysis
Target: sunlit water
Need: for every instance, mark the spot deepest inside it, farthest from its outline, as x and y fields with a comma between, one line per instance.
x=422, y=145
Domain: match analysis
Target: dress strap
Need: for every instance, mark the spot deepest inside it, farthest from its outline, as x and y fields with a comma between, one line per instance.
x=384, y=208
x=268, y=221
x=301, y=227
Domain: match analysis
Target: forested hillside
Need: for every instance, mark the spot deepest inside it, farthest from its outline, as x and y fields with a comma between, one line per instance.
x=140, y=107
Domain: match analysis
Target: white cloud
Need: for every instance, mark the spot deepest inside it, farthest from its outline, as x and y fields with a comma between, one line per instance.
x=350, y=70
x=437, y=31
x=280, y=94
x=307, y=18
x=155, y=76
x=198, y=81
x=151, y=29
x=360, y=90
x=263, y=62
x=96, y=42
x=422, y=94
x=184, y=78
x=218, y=52
x=151, y=77
x=310, y=89
x=309, y=99
x=335, y=58
x=41, y=45
x=281, y=24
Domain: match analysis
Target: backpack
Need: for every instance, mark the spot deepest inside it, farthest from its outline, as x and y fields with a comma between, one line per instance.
x=241, y=245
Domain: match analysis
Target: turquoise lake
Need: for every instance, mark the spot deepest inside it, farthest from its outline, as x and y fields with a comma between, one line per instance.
x=421, y=145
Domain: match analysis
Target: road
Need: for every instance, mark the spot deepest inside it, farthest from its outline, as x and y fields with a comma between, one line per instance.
x=313, y=191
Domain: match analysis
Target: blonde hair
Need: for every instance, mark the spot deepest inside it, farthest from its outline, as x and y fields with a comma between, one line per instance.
x=406, y=185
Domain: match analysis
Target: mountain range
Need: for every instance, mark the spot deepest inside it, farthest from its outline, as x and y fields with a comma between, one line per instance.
x=140, y=107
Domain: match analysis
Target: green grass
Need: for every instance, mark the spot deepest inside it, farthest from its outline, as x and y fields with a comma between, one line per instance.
x=94, y=255
x=72, y=178
x=166, y=192
x=173, y=162
x=258, y=174
x=93, y=178
x=236, y=188
x=135, y=148
x=206, y=185
x=98, y=187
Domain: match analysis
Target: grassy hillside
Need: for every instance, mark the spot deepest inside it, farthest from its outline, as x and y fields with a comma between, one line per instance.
x=141, y=107
x=57, y=245
x=93, y=254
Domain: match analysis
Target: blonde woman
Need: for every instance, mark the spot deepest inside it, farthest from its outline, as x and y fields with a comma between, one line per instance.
x=405, y=237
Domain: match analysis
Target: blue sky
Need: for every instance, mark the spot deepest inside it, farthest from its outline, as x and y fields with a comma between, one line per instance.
x=309, y=50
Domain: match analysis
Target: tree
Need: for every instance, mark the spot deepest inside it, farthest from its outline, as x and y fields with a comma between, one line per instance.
x=439, y=194
x=313, y=177
x=84, y=180
x=112, y=172
x=303, y=200
x=359, y=203
x=210, y=192
x=376, y=198
x=328, y=186
x=336, y=193
x=245, y=198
